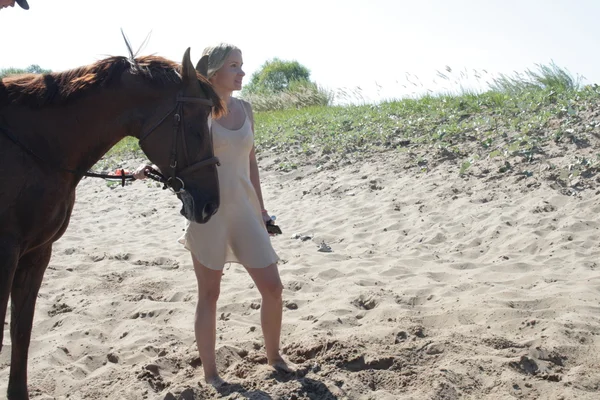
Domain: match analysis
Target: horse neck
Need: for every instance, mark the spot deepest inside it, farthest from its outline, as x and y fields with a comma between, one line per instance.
x=78, y=134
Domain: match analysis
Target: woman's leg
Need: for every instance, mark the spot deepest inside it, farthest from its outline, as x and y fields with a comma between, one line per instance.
x=269, y=285
x=205, y=324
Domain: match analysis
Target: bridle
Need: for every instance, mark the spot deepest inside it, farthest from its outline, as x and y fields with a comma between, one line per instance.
x=173, y=182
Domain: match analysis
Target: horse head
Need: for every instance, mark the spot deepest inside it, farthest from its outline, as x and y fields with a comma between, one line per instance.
x=179, y=142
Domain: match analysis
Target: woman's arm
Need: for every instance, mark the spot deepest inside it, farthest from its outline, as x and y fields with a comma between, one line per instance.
x=254, y=174
x=255, y=178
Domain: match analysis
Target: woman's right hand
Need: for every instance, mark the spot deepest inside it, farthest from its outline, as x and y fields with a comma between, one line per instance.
x=140, y=172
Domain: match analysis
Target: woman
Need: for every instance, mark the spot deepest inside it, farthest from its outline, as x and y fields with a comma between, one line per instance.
x=237, y=232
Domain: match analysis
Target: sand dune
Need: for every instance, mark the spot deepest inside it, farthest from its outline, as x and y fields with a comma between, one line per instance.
x=431, y=286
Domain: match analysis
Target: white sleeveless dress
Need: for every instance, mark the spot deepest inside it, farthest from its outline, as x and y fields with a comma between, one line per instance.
x=236, y=233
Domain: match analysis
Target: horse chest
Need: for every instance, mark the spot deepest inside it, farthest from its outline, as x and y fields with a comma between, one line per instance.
x=45, y=213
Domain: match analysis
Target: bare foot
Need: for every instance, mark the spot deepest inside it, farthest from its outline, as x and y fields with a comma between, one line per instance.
x=216, y=382
x=280, y=365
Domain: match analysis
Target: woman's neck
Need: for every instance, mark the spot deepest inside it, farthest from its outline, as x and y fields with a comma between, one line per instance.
x=225, y=95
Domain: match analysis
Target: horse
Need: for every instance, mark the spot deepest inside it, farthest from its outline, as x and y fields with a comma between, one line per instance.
x=55, y=127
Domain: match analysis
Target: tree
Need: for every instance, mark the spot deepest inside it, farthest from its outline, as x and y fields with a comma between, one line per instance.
x=32, y=69
x=280, y=85
x=276, y=76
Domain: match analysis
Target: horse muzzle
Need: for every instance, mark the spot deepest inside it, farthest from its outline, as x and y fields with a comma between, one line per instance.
x=195, y=207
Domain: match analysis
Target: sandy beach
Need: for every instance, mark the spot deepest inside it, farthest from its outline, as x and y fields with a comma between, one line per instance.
x=399, y=284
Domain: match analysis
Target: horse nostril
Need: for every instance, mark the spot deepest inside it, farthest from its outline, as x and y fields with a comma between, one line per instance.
x=210, y=209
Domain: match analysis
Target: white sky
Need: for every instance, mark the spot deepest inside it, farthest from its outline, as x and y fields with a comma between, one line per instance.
x=370, y=44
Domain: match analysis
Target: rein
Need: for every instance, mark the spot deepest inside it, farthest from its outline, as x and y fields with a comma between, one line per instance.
x=175, y=183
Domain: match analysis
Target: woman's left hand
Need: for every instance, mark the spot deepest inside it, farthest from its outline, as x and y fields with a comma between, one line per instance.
x=266, y=217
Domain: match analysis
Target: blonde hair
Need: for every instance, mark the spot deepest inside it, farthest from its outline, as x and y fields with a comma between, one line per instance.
x=213, y=58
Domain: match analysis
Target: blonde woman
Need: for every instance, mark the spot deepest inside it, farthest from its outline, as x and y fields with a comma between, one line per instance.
x=237, y=232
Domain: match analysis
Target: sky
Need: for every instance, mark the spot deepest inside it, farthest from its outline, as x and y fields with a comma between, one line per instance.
x=372, y=50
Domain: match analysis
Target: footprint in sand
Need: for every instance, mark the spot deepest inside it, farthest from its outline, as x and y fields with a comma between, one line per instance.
x=365, y=302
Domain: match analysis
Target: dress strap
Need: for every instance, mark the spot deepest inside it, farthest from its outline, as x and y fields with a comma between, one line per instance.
x=244, y=107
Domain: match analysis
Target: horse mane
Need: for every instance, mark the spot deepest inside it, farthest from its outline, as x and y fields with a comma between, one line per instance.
x=59, y=88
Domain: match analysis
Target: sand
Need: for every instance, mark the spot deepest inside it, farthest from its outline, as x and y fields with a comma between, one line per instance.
x=399, y=284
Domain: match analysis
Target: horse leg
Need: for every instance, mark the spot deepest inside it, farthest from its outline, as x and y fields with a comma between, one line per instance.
x=25, y=287
x=9, y=257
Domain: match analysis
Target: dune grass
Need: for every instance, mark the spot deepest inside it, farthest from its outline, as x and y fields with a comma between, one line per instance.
x=299, y=94
x=513, y=121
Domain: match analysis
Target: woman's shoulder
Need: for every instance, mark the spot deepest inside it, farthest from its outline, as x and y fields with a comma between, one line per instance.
x=247, y=106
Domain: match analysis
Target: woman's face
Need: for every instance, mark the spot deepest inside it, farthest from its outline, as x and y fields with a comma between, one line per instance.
x=229, y=77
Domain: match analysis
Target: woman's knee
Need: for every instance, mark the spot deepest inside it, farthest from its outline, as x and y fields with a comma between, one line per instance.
x=272, y=288
x=267, y=281
x=278, y=290
x=209, y=283
x=208, y=295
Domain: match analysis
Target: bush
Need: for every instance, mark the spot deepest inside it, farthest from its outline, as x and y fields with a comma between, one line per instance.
x=298, y=94
x=279, y=85
x=276, y=76
x=32, y=69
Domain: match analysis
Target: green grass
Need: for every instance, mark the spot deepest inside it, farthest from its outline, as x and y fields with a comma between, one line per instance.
x=124, y=150
x=514, y=123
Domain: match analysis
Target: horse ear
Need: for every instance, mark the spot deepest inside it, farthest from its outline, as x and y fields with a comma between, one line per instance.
x=188, y=73
x=202, y=66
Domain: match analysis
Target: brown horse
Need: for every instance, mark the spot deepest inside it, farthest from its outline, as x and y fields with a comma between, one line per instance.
x=54, y=127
